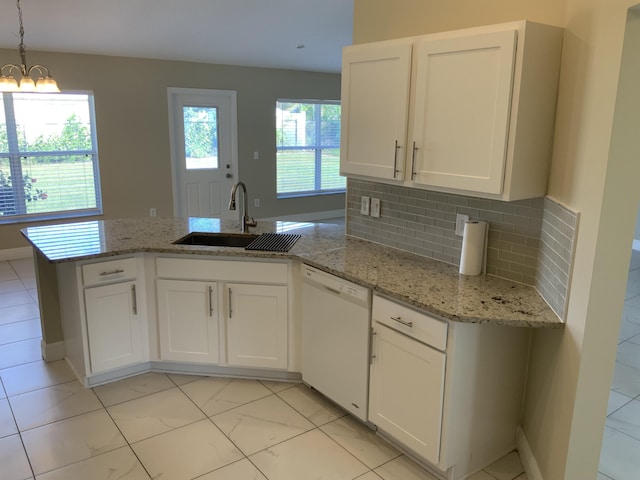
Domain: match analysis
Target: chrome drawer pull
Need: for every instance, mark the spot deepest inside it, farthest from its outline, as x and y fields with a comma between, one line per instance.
x=403, y=322
x=113, y=272
x=134, y=300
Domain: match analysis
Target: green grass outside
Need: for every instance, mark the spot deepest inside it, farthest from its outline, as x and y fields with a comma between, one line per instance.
x=68, y=186
x=299, y=166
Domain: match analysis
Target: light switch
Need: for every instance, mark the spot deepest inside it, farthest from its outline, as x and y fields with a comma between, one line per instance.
x=375, y=207
x=364, y=205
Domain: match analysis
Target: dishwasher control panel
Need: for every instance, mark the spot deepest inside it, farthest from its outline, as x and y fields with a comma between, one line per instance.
x=337, y=284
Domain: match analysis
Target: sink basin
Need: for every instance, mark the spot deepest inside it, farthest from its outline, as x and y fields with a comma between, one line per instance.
x=217, y=239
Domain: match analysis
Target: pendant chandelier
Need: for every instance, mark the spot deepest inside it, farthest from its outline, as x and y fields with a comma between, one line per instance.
x=25, y=83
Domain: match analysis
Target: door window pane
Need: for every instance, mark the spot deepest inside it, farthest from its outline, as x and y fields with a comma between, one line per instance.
x=200, y=137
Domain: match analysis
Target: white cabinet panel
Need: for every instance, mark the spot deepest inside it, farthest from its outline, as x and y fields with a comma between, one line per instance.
x=257, y=333
x=461, y=116
x=375, y=102
x=114, y=326
x=188, y=321
x=406, y=391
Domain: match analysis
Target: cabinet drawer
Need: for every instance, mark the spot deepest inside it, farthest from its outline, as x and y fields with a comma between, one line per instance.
x=110, y=271
x=226, y=270
x=410, y=322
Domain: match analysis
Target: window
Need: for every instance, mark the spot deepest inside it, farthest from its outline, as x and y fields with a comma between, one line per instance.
x=48, y=157
x=308, y=148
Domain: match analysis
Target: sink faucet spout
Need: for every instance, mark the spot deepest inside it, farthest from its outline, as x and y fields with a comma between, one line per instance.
x=247, y=221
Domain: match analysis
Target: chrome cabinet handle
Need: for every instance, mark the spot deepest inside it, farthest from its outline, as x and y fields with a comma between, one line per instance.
x=210, y=301
x=112, y=272
x=372, y=356
x=403, y=322
x=413, y=161
x=230, y=310
x=395, y=160
x=134, y=300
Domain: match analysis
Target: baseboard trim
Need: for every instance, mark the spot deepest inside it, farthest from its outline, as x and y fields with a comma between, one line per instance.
x=52, y=351
x=15, y=253
x=309, y=217
x=527, y=457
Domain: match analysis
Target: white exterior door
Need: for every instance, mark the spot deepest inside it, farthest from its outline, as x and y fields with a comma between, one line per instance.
x=204, y=151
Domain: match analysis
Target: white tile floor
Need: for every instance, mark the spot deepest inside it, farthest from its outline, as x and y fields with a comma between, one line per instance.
x=174, y=426
x=619, y=459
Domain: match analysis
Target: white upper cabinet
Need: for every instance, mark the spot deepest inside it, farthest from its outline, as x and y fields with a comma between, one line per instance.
x=481, y=112
x=375, y=105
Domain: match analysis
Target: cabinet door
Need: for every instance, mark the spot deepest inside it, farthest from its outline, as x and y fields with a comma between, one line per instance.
x=188, y=321
x=375, y=102
x=406, y=391
x=114, y=327
x=460, y=122
x=257, y=333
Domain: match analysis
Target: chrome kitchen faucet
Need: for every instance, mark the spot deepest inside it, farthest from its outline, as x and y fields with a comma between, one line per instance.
x=247, y=221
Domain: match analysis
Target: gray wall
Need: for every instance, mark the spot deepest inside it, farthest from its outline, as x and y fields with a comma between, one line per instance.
x=133, y=129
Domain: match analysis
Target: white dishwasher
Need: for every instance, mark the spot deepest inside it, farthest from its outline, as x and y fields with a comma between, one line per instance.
x=336, y=322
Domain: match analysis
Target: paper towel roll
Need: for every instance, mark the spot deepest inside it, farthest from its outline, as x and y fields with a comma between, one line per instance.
x=474, y=247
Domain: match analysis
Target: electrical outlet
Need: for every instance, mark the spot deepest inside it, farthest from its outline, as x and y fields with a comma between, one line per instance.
x=256, y=202
x=364, y=205
x=375, y=207
x=152, y=212
x=460, y=221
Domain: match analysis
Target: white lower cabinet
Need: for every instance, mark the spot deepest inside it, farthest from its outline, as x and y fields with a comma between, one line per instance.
x=115, y=326
x=257, y=325
x=449, y=392
x=188, y=321
x=406, y=391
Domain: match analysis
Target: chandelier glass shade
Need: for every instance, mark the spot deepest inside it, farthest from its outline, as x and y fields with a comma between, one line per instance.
x=23, y=80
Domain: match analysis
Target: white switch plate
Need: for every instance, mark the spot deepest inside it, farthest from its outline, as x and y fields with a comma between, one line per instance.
x=364, y=205
x=256, y=202
x=460, y=221
x=375, y=207
x=256, y=155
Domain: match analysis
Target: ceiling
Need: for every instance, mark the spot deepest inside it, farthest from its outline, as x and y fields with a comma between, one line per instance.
x=262, y=33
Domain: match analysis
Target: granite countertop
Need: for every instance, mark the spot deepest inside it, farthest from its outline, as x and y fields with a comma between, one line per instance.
x=430, y=285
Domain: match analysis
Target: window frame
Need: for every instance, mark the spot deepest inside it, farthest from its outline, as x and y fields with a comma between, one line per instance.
x=317, y=148
x=14, y=155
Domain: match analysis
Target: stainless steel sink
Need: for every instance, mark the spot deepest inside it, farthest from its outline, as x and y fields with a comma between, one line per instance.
x=217, y=239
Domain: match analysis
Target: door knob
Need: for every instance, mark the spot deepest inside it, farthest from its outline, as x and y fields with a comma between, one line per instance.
x=229, y=175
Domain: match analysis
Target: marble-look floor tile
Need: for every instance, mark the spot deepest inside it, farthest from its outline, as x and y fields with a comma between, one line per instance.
x=182, y=379
x=24, y=267
x=50, y=404
x=7, y=272
x=14, y=332
x=35, y=375
x=482, y=476
x=261, y=424
x=11, y=286
x=13, y=460
x=602, y=476
x=18, y=313
x=62, y=443
x=631, y=313
x=616, y=400
x=309, y=456
x=17, y=353
x=7, y=423
x=186, y=452
x=120, y=464
x=626, y=380
x=276, y=387
x=15, y=298
x=360, y=441
x=154, y=414
x=402, y=468
x=626, y=419
x=369, y=476
x=240, y=470
x=507, y=468
x=619, y=455
x=131, y=388
x=216, y=395
x=629, y=354
x=311, y=404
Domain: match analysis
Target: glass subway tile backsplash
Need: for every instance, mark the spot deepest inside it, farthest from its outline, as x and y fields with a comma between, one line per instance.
x=423, y=222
